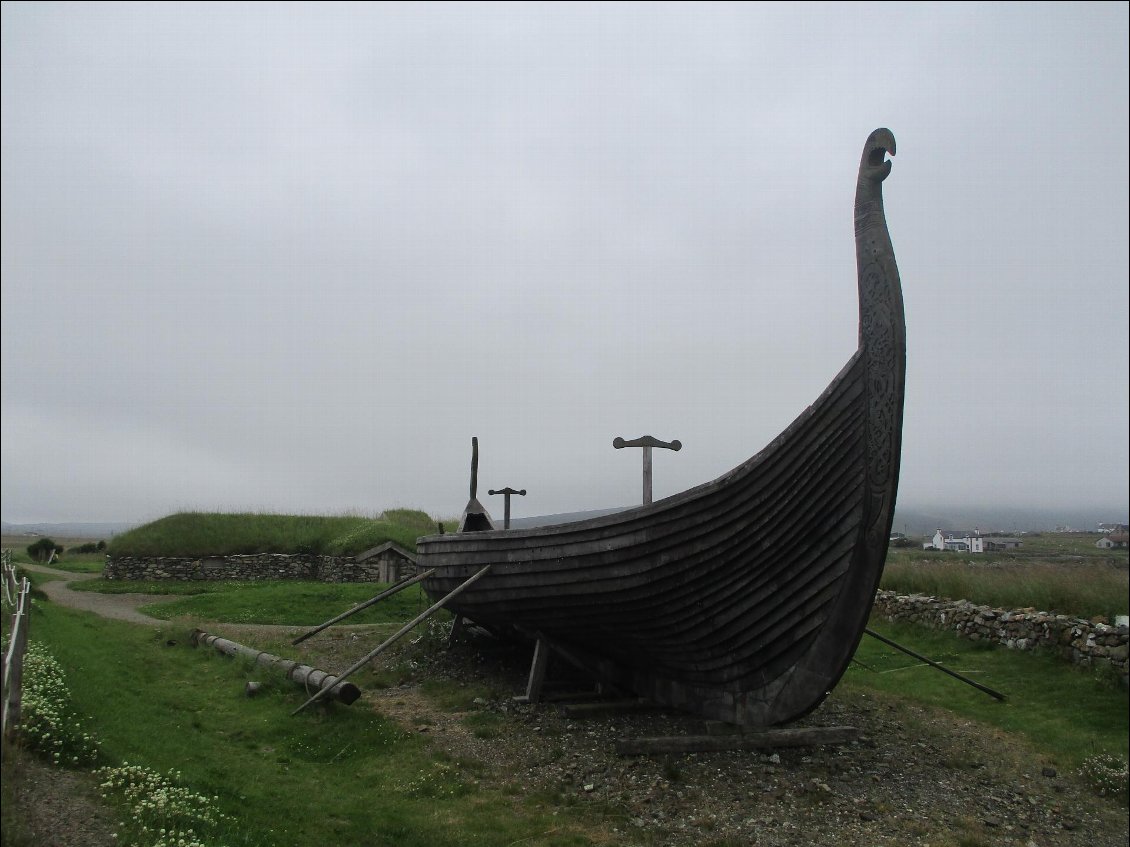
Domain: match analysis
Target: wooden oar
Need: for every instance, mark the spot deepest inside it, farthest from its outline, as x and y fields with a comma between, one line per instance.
x=934, y=664
x=404, y=630
x=388, y=592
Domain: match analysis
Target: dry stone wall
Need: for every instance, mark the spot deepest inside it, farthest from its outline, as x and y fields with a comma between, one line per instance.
x=254, y=566
x=1079, y=640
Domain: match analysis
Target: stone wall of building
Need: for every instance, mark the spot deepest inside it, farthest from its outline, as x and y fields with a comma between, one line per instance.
x=256, y=566
x=1078, y=640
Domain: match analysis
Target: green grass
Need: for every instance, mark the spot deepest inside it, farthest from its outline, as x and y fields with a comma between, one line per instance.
x=73, y=562
x=288, y=603
x=216, y=534
x=1073, y=544
x=1067, y=713
x=332, y=774
x=80, y=562
x=159, y=586
x=1086, y=588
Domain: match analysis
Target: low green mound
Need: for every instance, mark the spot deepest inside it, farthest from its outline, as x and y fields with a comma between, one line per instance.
x=216, y=534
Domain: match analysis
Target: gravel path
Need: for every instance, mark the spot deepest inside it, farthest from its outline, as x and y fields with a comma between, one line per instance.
x=122, y=607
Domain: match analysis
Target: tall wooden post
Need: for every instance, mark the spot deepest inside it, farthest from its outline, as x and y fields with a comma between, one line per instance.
x=646, y=442
x=507, y=492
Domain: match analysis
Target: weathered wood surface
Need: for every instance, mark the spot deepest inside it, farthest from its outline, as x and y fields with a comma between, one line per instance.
x=301, y=675
x=775, y=738
x=742, y=599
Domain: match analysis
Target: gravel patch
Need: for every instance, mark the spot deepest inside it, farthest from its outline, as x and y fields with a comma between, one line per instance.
x=121, y=607
x=916, y=776
x=58, y=808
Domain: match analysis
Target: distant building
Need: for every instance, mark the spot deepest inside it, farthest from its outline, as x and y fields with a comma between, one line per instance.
x=1113, y=540
x=963, y=541
x=393, y=562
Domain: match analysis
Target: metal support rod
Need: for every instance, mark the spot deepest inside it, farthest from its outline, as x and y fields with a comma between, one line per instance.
x=404, y=630
x=934, y=664
x=388, y=592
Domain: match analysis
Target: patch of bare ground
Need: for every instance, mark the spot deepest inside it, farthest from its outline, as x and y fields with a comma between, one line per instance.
x=54, y=807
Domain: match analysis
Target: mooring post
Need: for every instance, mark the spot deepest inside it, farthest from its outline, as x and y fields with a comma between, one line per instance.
x=507, y=492
x=647, y=442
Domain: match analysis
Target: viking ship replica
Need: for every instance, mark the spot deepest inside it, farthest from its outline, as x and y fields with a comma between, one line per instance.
x=742, y=599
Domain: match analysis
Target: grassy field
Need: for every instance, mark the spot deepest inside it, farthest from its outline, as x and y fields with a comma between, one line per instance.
x=1085, y=589
x=294, y=604
x=1054, y=572
x=1067, y=712
x=333, y=774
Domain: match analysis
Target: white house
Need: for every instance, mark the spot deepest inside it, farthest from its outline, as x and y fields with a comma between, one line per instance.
x=1113, y=540
x=970, y=542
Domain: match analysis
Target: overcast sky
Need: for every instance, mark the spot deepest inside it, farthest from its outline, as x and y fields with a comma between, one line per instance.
x=293, y=257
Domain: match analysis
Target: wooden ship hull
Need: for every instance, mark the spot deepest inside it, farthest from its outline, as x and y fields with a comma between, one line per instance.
x=742, y=599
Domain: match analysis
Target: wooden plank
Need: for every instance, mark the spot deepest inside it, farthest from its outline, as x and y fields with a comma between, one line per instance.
x=537, y=671
x=606, y=707
x=457, y=627
x=808, y=736
x=570, y=696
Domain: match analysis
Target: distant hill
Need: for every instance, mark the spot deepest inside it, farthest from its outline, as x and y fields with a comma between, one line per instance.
x=66, y=530
x=925, y=520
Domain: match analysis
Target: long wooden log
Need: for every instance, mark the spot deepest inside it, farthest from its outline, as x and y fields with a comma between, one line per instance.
x=388, y=592
x=404, y=630
x=305, y=676
x=796, y=737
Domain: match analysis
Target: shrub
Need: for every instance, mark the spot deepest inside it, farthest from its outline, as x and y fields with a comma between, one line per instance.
x=1107, y=774
x=41, y=550
x=90, y=547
